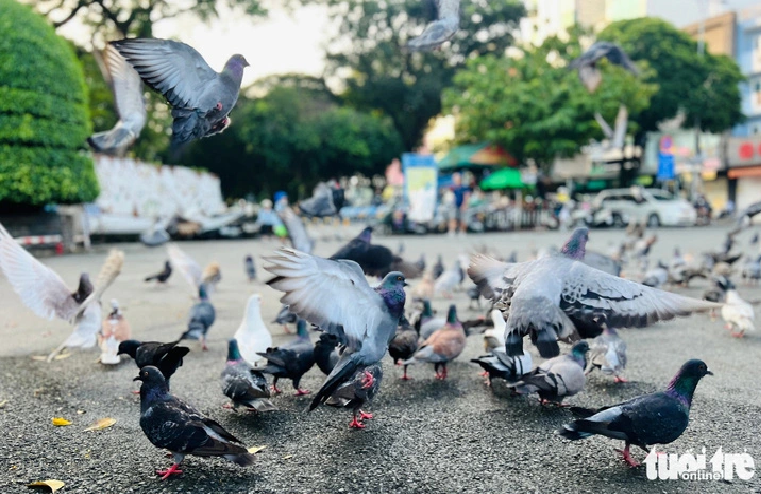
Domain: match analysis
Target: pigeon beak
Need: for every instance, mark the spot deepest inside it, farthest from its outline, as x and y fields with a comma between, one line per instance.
x=406, y=284
x=137, y=378
x=708, y=371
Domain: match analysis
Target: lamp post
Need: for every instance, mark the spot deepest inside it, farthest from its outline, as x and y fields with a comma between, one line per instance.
x=698, y=162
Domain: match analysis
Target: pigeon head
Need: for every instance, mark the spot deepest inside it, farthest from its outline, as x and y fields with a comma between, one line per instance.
x=128, y=347
x=167, y=265
x=366, y=235
x=150, y=374
x=233, y=353
x=202, y=293
x=427, y=309
x=301, y=329
x=576, y=247
x=253, y=304
x=239, y=59
x=452, y=315
x=579, y=350
x=684, y=383
x=84, y=290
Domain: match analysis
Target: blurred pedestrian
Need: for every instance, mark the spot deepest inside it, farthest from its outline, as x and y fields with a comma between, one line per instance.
x=268, y=220
x=460, y=213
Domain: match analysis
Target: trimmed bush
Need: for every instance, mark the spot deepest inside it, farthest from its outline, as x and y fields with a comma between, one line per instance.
x=44, y=121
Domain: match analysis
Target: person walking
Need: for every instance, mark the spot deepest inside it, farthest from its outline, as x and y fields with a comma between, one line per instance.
x=460, y=214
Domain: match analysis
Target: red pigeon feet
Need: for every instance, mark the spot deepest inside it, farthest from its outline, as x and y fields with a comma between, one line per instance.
x=228, y=406
x=628, y=457
x=368, y=381
x=365, y=415
x=173, y=470
x=356, y=424
x=301, y=392
x=275, y=389
x=484, y=373
x=737, y=334
x=398, y=362
x=619, y=379
x=285, y=328
x=405, y=377
x=136, y=392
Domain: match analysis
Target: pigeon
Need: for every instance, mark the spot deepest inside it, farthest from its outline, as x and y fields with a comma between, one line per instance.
x=325, y=353
x=297, y=233
x=185, y=265
x=250, y=268
x=202, y=317
x=425, y=288
x=170, y=423
x=656, y=277
x=559, y=297
x=655, y=418
x=85, y=332
x=557, y=378
x=357, y=392
x=444, y=345
x=129, y=101
x=285, y=317
x=167, y=357
x=586, y=64
x=114, y=330
x=441, y=30
x=736, y=312
x=608, y=353
x=291, y=361
x=154, y=236
x=335, y=296
x=43, y=291
x=498, y=364
x=201, y=98
x=211, y=276
x=403, y=345
x=162, y=276
x=475, y=296
x=495, y=337
x=427, y=323
x=244, y=385
x=448, y=280
x=252, y=334
x=438, y=268
x=751, y=271
x=375, y=260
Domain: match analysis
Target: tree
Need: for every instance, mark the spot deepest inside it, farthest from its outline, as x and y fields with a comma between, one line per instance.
x=706, y=87
x=375, y=73
x=43, y=114
x=292, y=138
x=534, y=106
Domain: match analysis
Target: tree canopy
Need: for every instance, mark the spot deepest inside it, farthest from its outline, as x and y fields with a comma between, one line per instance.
x=534, y=106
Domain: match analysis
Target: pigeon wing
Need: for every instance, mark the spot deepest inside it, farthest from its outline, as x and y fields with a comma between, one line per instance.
x=128, y=90
x=111, y=268
x=185, y=264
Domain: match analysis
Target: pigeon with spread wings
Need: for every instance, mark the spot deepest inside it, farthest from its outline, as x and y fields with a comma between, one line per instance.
x=441, y=30
x=335, y=296
x=586, y=64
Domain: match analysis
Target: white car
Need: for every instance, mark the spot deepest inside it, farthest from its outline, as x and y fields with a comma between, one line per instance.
x=654, y=207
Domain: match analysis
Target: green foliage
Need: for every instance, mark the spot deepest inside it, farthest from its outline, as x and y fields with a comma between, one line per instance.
x=43, y=114
x=291, y=139
x=705, y=87
x=368, y=58
x=534, y=106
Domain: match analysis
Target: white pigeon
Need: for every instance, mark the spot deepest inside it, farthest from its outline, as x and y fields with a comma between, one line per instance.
x=85, y=333
x=608, y=353
x=736, y=312
x=252, y=334
x=495, y=337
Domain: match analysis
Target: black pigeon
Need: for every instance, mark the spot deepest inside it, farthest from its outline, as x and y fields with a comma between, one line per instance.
x=438, y=268
x=244, y=385
x=357, y=392
x=170, y=423
x=325, y=353
x=403, y=345
x=202, y=317
x=167, y=357
x=163, y=275
x=250, y=268
x=375, y=260
x=499, y=365
x=655, y=418
x=291, y=361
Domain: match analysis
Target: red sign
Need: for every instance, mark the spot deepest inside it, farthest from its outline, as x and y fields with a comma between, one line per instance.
x=744, y=151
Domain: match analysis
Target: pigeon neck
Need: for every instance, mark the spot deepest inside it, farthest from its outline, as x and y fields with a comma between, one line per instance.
x=682, y=388
x=234, y=69
x=152, y=392
x=452, y=316
x=394, y=299
x=573, y=250
x=301, y=330
x=365, y=236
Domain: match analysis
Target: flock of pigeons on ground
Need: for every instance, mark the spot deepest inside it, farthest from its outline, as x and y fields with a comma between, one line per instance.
x=557, y=296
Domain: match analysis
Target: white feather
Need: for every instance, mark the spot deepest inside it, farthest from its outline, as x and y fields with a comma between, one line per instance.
x=252, y=334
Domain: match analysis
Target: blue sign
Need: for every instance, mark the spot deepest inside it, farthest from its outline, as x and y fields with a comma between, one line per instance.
x=665, y=167
x=409, y=159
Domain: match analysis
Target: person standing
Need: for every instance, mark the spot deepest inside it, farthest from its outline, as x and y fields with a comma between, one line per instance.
x=461, y=198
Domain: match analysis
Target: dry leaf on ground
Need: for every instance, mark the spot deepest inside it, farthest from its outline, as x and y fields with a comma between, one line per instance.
x=51, y=484
x=256, y=449
x=101, y=424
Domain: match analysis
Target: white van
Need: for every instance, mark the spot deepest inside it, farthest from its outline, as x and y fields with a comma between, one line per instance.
x=654, y=206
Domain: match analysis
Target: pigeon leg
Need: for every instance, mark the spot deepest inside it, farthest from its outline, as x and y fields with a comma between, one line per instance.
x=204, y=348
x=436, y=369
x=619, y=379
x=301, y=392
x=737, y=334
x=274, y=387
x=364, y=415
x=368, y=381
x=55, y=352
x=405, y=377
x=285, y=328
x=356, y=424
x=444, y=373
x=228, y=406
x=173, y=470
x=484, y=374
x=627, y=456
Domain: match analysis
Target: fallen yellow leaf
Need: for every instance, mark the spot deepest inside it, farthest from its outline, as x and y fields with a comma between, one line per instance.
x=101, y=424
x=256, y=449
x=287, y=457
x=62, y=356
x=60, y=421
x=3, y=403
x=51, y=484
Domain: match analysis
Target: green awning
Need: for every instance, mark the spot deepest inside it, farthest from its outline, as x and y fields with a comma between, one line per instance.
x=508, y=178
x=596, y=184
x=476, y=155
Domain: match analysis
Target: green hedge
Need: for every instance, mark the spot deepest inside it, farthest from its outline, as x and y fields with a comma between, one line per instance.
x=44, y=121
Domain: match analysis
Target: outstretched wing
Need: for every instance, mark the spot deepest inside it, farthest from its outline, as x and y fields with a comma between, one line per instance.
x=332, y=294
x=493, y=277
x=39, y=287
x=182, y=262
x=296, y=231
x=128, y=89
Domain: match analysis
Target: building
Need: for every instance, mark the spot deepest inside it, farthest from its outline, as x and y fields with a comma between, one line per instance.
x=748, y=56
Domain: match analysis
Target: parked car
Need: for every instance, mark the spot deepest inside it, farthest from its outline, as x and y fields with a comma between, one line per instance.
x=600, y=217
x=655, y=207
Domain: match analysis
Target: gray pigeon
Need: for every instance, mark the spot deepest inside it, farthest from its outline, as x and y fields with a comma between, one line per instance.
x=201, y=98
x=297, y=232
x=357, y=392
x=560, y=297
x=202, y=317
x=655, y=418
x=586, y=64
x=608, y=353
x=244, y=385
x=442, y=29
x=557, y=378
x=130, y=104
x=248, y=262
x=335, y=296
x=170, y=423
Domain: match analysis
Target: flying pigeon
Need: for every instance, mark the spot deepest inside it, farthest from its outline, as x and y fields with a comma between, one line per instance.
x=252, y=335
x=85, y=332
x=248, y=262
x=655, y=418
x=244, y=385
x=357, y=392
x=325, y=353
x=403, y=345
x=167, y=357
x=335, y=296
x=557, y=378
x=559, y=297
x=586, y=64
x=497, y=364
x=608, y=353
x=201, y=98
x=162, y=276
x=441, y=30
x=170, y=423
x=291, y=361
x=185, y=265
x=375, y=260
x=736, y=312
x=297, y=232
x=130, y=104
x=202, y=317
x=444, y=345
